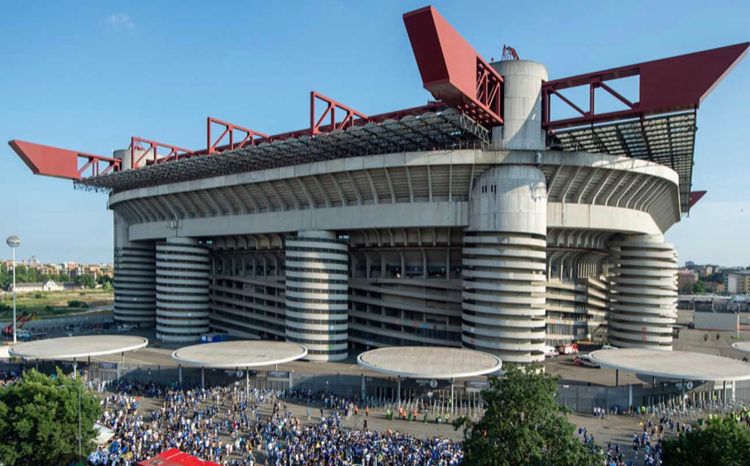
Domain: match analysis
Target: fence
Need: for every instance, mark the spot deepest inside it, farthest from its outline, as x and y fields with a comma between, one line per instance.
x=381, y=391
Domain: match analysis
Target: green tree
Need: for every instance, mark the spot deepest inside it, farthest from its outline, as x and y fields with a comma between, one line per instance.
x=106, y=282
x=723, y=440
x=86, y=281
x=39, y=420
x=699, y=287
x=524, y=425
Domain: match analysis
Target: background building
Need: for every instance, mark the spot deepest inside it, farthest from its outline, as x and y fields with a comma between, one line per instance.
x=501, y=217
x=738, y=282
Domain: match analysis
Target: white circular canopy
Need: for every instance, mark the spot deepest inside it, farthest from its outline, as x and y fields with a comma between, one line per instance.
x=53, y=349
x=743, y=346
x=429, y=362
x=673, y=365
x=237, y=354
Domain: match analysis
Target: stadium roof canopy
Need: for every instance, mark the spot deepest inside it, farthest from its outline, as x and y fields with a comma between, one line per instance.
x=743, y=346
x=239, y=354
x=673, y=365
x=655, y=120
x=429, y=362
x=55, y=349
x=444, y=129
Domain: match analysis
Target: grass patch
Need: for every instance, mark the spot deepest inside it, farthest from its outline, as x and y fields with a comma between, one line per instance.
x=52, y=304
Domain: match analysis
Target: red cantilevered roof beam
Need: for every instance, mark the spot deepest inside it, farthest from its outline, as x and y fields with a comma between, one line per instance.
x=316, y=123
x=62, y=163
x=666, y=85
x=695, y=196
x=248, y=137
x=145, y=151
x=451, y=69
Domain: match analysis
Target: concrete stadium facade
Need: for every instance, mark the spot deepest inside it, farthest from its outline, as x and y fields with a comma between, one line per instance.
x=502, y=248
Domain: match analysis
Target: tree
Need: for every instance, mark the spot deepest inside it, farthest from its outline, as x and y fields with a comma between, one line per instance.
x=39, y=420
x=699, y=287
x=86, y=281
x=524, y=425
x=723, y=440
x=106, y=282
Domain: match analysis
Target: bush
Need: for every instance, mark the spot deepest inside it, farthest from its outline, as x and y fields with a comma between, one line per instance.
x=77, y=304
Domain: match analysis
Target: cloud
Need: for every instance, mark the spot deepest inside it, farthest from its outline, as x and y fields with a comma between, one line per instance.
x=120, y=20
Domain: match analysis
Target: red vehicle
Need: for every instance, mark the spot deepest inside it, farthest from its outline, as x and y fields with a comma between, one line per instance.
x=570, y=348
x=8, y=330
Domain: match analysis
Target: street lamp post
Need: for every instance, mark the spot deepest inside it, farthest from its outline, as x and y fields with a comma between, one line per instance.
x=14, y=241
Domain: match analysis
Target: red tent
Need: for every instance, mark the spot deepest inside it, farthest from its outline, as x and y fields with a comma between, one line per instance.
x=175, y=457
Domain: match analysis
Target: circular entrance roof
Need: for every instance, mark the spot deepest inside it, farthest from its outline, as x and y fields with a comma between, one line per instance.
x=429, y=362
x=77, y=347
x=236, y=354
x=675, y=365
x=743, y=346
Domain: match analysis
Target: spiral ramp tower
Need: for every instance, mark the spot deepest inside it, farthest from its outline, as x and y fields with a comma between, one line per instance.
x=644, y=292
x=317, y=294
x=182, y=290
x=134, y=280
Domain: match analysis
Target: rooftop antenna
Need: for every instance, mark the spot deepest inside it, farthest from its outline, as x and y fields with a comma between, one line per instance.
x=509, y=53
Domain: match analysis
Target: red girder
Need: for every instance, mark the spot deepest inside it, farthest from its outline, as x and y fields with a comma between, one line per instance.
x=451, y=70
x=350, y=115
x=62, y=163
x=249, y=137
x=695, y=196
x=458, y=77
x=666, y=85
x=150, y=152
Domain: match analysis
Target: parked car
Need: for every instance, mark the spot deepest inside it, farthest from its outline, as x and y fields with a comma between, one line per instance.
x=584, y=360
x=550, y=352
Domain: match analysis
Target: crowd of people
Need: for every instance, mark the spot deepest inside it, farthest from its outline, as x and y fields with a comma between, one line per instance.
x=232, y=427
x=8, y=377
x=647, y=444
x=227, y=426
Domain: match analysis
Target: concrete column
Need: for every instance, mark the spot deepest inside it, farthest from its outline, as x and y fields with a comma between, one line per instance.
x=630, y=395
x=182, y=291
x=504, y=264
x=398, y=390
x=317, y=294
x=644, y=292
x=522, y=102
x=134, y=278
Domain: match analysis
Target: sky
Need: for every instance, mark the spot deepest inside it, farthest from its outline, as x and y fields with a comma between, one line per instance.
x=88, y=75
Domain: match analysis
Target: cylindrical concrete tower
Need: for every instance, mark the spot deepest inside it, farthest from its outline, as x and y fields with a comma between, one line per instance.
x=126, y=159
x=182, y=292
x=135, y=278
x=522, y=128
x=504, y=264
x=645, y=292
x=317, y=294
